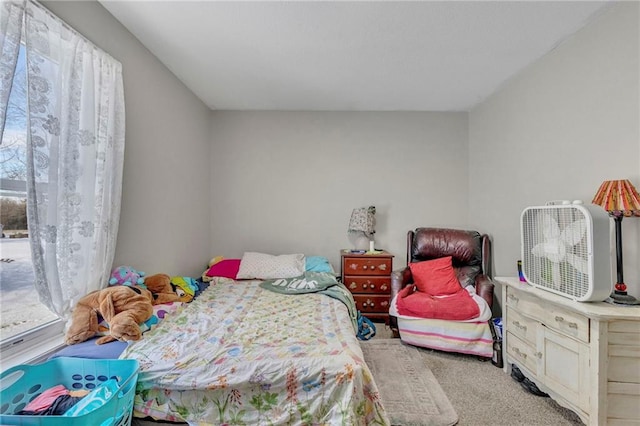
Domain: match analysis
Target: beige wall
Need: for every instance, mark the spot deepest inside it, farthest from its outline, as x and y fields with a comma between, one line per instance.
x=165, y=220
x=556, y=131
x=285, y=182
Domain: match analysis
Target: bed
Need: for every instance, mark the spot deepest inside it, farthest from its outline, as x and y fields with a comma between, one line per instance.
x=243, y=354
x=253, y=351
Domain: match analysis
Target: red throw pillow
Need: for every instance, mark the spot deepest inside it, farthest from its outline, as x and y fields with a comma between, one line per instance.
x=435, y=277
x=227, y=268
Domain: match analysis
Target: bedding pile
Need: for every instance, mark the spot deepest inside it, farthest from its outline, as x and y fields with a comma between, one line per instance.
x=471, y=336
x=316, y=282
x=241, y=354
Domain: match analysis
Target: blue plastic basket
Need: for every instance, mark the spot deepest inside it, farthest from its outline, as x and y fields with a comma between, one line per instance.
x=21, y=384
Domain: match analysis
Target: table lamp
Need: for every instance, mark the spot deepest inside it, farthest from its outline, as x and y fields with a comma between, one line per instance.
x=619, y=198
x=361, y=227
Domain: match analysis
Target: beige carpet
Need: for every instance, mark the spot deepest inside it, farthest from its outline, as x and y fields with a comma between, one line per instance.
x=410, y=393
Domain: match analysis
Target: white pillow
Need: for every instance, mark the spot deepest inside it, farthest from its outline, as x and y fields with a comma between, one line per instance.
x=267, y=267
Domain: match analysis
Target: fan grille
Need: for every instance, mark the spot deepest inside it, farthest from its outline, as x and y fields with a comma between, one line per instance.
x=556, y=250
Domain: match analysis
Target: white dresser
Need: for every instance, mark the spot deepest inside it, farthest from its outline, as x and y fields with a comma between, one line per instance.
x=586, y=356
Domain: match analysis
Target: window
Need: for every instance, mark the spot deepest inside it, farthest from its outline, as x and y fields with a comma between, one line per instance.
x=69, y=170
x=22, y=316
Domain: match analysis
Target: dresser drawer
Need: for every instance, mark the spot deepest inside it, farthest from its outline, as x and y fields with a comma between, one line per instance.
x=367, y=266
x=521, y=352
x=568, y=323
x=521, y=326
x=374, y=285
x=562, y=320
x=371, y=303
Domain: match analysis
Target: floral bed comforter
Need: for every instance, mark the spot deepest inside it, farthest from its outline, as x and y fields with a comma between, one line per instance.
x=243, y=355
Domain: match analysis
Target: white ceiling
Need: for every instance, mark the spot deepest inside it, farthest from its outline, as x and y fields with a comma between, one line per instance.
x=349, y=56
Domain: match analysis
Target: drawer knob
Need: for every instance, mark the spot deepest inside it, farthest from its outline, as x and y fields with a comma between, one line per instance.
x=364, y=267
x=383, y=267
x=372, y=287
x=364, y=286
x=353, y=285
x=538, y=355
x=384, y=287
x=372, y=267
x=512, y=297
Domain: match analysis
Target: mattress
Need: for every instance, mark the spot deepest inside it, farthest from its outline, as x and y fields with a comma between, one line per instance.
x=241, y=354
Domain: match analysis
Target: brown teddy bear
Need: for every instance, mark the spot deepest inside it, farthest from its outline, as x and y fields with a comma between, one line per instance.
x=123, y=307
x=166, y=289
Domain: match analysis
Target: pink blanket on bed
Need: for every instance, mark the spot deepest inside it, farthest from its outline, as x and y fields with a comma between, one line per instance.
x=458, y=306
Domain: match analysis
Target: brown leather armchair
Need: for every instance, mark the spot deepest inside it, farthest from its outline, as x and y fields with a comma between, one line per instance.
x=470, y=252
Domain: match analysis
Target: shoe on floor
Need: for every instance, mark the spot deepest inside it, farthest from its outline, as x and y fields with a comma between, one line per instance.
x=516, y=374
x=532, y=388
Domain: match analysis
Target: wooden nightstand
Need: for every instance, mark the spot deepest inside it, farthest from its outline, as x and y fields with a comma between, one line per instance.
x=368, y=277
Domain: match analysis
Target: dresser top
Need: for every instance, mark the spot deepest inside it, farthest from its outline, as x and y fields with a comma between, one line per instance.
x=601, y=310
x=347, y=252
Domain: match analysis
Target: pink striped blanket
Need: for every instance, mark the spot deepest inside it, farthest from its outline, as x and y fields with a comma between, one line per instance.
x=471, y=336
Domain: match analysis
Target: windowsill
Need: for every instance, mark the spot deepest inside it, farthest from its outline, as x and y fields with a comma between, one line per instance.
x=34, y=354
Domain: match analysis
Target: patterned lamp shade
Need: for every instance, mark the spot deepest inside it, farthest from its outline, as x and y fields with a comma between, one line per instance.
x=363, y=220
x=618, y=197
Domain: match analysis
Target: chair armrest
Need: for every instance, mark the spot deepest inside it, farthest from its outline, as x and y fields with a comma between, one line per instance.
x=484, y=288
x=399, y=279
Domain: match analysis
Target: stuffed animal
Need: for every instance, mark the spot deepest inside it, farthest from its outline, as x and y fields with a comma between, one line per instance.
x=123, y=307
x=166, y=289
x=160, y=287
x=126, y=275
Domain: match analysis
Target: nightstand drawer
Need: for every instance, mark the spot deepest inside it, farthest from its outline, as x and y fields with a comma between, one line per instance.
x=367, y=266
x=379, y=285
x=371, y=303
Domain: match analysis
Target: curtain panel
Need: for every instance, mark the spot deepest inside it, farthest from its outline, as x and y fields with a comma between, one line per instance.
x=75, y=153
x=11, y=14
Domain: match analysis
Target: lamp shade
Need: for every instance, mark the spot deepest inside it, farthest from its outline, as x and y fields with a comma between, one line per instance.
x=363, y=220
x=618, y=197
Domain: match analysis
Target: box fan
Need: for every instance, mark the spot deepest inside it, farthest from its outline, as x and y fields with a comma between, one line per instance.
x=566, y=250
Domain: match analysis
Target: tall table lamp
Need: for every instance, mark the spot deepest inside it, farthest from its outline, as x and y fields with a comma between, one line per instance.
x=361, y=227
x=619, y=198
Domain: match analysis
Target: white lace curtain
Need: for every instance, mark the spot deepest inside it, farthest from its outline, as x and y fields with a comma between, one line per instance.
x=75, y=151
x=10, y=29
